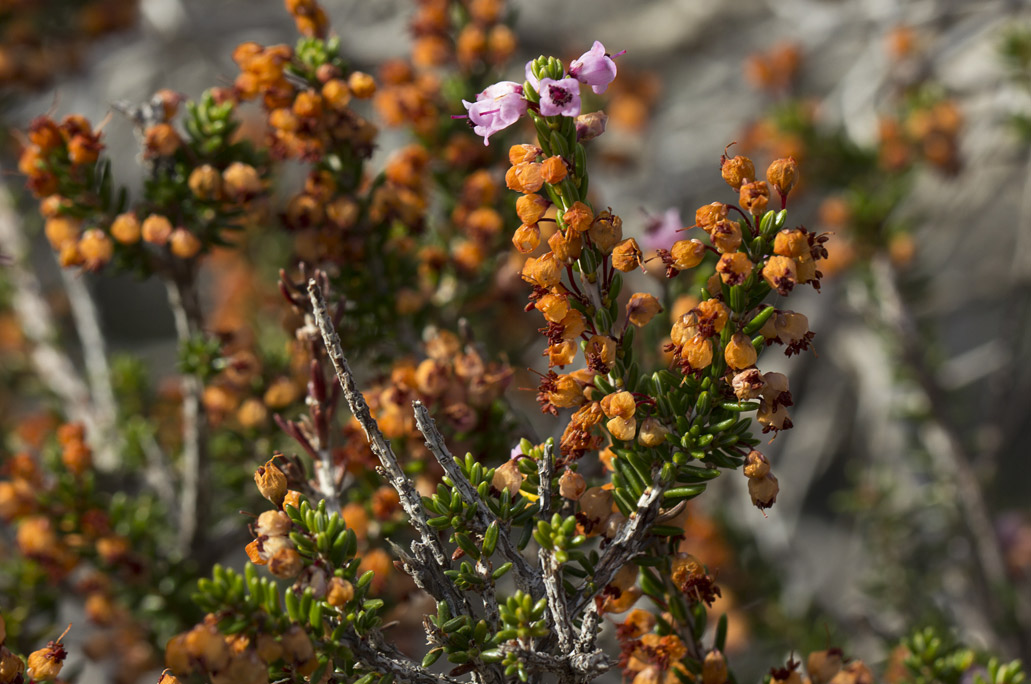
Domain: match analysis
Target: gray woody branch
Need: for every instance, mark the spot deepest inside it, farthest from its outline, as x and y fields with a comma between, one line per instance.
x=526, y=577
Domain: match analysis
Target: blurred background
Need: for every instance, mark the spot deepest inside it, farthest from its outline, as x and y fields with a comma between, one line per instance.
x=905, y=482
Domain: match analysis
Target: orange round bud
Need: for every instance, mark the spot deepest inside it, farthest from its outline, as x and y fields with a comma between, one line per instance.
x=740, y=353
x=783, y=175
x=626, y=256
x=755, y=196
x=579, y=217
x=61, y=230
x=205, y=182
x=687, y=253
x=571, y=485
x=642, y=308
x=707, y=216
x=161, y=140
x=126, y=228
x=156, y=229
x=531, y=208
x=737, y=171
x=362, y=85
x=241, y=181
x=734, y=268
x=184, y=244
x=271, y=482
x=553, y=169
x=526, y=237
x=606, y=231
x=566, y=246
x=96, y=249
x=780, y=273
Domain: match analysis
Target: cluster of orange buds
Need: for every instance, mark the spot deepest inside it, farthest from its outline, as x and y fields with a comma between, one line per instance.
x=236, y=659
x=306, y=95
x=39, y=506
x=597, y=514
x=405, y=194
x=453, y=377
x=481, y=38
x=272, y=545
x=56, y=152
x=928, y=131
x=648, y=657
x=477, y=218
x=776, y=69
x=40, y=39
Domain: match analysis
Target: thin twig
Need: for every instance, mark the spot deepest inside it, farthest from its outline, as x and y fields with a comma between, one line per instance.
x=410, y=499
x=379, y=656
x=51, y=363
x=628, y=543
x=526, y=578
x=98, y=372
x=182, y=297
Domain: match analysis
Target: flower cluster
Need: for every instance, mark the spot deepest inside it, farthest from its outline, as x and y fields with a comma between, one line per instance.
x=548, y=90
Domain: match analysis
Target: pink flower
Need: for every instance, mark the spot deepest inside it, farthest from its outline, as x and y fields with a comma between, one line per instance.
x=560, y=97
x=496, y=108
x=594, y=68
x=661, y=230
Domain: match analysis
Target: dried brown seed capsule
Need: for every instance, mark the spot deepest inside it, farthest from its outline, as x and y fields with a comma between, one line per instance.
x=566, y=246
x=783, y=175
x=579, y=217
x=755, y=196
x=642, y=308
x=571, y=485
x=779, y=272
x=653, y=433
x=756, y=465
x=737, y=171
x=606, y=231
x=714, y=667
x=823, y=665
x=705, y=217
x=46, y=663
x=763, y=491
x=271, y=482
x=507, y=477
x=626, y=256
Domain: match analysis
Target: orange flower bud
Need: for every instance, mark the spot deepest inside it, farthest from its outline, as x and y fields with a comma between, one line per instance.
x=737, y=171
x=687, y=253
x=161, y=140
x=553, y=170
x=156, y=229
x=579, y=217
x=567, y=393
x=707, y=216
x=126, y=228
x=561, y=354
x=340, y=591
x=308, y=104
x=622, y=428
x=553, y=306
x=697, y=353
x=571, y=485
x=621, y=404
x=642, y=308
x=507, y=477
x=61, y=230
x=271, y=482
x=726, y=235
x=783, y=175
x=823, y=665
x=205, y=182
x=96, y=249
x=520, y=154
x=606, y=231
x=531, y=208
x=566, y=246
x=653, y=433
x=241, y=182
x=714, y=667
x=11, y=666
x=525, y=177
x=46, y=663
x=626, y=256
x=756, y=465
x=712, y=315
x=544, y=272
x=779, y=272
x=740, y=353
x=361, y=84
x=184, y=244
x=285, y=563
x=734, y=268
x=755, y=196
x=763, y=491
x=791, y=243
